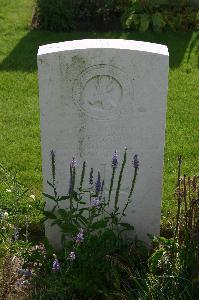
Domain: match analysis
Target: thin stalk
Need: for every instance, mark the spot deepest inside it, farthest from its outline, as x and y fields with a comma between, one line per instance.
x=185, y=198
x=102, y=198
x=53, y=172
x=179, y=200
x=27, y=227
x=89, y=213
x=111, y=185
x=53, y=165
x=133, y=183
x=71, y=187
x=82, y=175
x=74, y=175
x=53, y=177
x=119, y=181
x=190, y=205
x=131, y=191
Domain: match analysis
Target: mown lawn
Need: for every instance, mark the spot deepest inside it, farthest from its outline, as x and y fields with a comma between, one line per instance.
x=19, y=103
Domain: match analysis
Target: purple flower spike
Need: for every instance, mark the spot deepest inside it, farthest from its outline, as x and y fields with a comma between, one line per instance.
x=73, y=163
x=136, y=162
x=72, y=256
x=115, y=160
x=56, y=265
x=98, y=183
x=96, y=202
x=80, y=237
x=91, y=177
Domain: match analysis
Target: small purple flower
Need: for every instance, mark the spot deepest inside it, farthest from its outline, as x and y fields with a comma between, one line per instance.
x=98, y=183
x=136, y=162
x=96, y=202
x=91, y=177
x=80, y=237
x=115, y=160
x=71, y=256
x=56, y=265
x=73, y=163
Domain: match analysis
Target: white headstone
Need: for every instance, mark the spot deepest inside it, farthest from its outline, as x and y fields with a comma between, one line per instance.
x=97, y=96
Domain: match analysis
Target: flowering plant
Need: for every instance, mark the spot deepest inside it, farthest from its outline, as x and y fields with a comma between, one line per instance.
x=88, y=211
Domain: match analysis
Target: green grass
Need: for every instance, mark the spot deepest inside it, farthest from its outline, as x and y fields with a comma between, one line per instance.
x=19, y=103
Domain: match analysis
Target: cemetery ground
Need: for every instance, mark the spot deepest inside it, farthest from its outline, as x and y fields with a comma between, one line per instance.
x=19, y=113
x=19, y=110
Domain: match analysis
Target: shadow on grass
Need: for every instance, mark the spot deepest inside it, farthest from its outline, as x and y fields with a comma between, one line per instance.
x=23, y=57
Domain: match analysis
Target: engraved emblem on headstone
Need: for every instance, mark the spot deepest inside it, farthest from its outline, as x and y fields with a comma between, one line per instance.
x=102, y=92
x=99, y=91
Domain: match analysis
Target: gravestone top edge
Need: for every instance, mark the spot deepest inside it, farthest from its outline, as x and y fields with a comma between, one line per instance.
x=119, y=44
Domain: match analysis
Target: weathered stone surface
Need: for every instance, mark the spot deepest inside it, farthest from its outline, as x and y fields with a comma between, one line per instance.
x=100, y=95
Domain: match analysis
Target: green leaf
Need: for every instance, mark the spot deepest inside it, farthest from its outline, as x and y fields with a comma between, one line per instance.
x=24, y=192
x=49, y=196
x=76, y=223
x=99, y=224
x=144, y=22
x=152, y=237
x=82, y=202
x=109, y=234
x=75, y=195
x=49, y=183
x=158, y=22
x=64, y=198
x=155, y=259
x=81, y=210
x=56, y=222
x=158, y=3
x=165, y=241
x=127, y=226
x=49, y=214
x=68, y=228
x=136, y=5
x=82, y=219
x=133, y=21
x=62, y=212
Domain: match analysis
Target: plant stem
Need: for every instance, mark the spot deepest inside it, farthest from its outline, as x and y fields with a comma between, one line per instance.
x=111, y=186
x=185, y=199
x=82, y=175
x=179, y=198
x=131, y=191
x=119, y=181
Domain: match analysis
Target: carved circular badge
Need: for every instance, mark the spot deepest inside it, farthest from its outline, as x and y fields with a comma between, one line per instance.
x=99, y=91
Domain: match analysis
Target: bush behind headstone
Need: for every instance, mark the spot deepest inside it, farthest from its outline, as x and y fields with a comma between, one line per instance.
x=55, y=15
x=66, y=15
